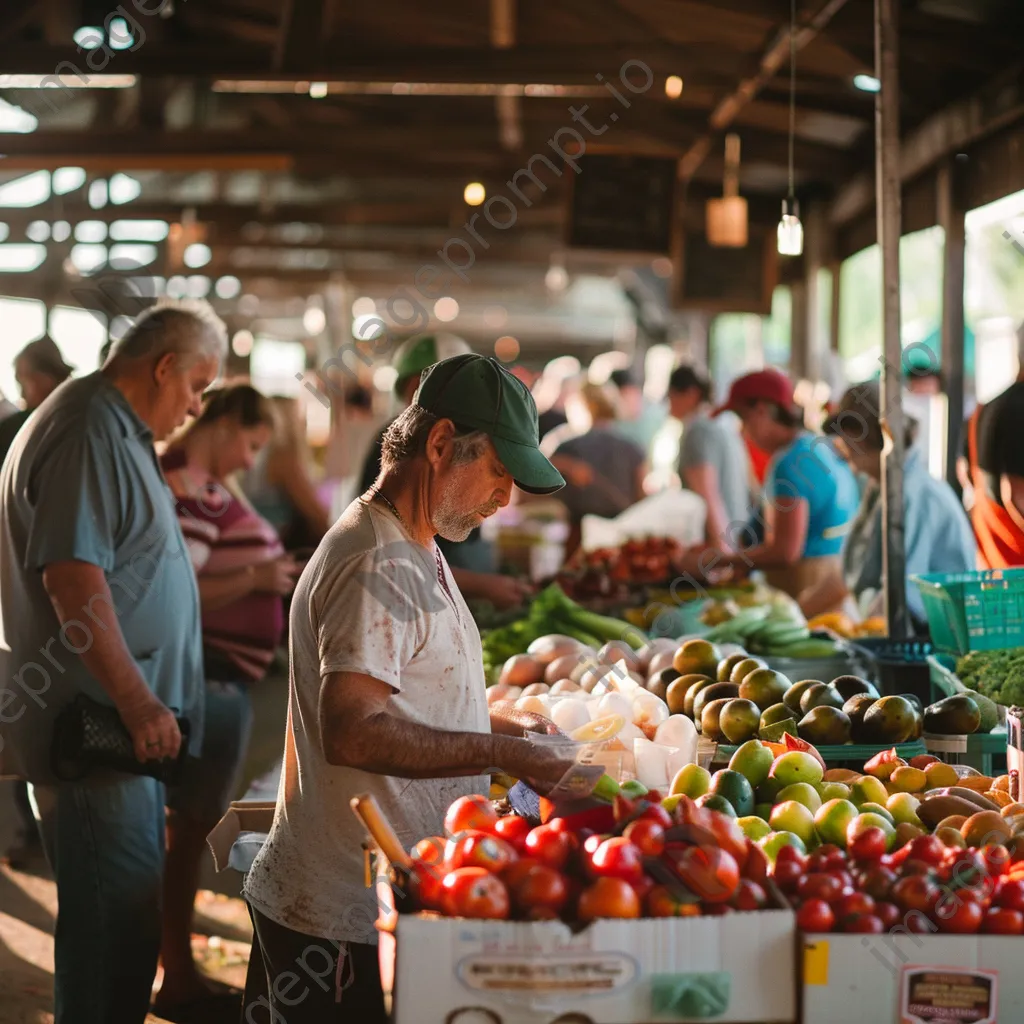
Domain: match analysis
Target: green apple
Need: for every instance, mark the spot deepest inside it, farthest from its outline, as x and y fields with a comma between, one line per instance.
x=869, y=820
x=752, y=760
x=833, y=791
x=903, y=808
x=792, y=816
x=754, y=828
x=831, y=820
x=691, y=780
x=796, y=766
x=775, y=841
x=803, y=793
x=869, y=790
x=633, y=788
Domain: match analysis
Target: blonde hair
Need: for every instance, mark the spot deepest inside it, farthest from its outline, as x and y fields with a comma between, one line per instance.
x=601, y=401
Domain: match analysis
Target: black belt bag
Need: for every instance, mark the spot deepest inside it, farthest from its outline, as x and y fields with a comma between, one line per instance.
x=88, y=735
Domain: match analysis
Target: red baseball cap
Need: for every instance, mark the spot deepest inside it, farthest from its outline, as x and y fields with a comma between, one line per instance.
x=768, y=385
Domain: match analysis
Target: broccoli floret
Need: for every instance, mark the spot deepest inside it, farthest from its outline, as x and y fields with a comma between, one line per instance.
x=998, y=675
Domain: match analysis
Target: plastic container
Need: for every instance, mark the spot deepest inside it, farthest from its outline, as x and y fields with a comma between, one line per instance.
x=895, y=666
x=974, y=611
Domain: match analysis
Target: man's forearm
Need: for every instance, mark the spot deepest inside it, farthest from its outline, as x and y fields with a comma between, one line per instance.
x=386, y=745
x=79, y=592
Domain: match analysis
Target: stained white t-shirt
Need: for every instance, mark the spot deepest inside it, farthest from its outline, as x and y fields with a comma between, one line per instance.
x=370, y=601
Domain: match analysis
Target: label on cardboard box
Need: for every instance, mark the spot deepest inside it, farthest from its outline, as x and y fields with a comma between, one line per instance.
x=930, y=993
x=816, y=962
x=575, y=975
x=937, y=744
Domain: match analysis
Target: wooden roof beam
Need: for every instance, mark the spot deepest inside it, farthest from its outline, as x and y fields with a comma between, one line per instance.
x=772, y=60
x=998, y=104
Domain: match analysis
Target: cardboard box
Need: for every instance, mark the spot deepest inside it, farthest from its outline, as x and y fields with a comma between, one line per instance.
x=453, y=971
x=854, y=979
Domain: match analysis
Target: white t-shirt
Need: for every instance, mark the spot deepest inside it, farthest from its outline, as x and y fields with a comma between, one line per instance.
x=370, y=601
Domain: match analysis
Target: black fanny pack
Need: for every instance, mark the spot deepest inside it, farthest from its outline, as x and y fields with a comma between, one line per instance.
x=89, y=735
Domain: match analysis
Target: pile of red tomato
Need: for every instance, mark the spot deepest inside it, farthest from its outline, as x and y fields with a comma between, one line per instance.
x=925, y=887
x=639, y=861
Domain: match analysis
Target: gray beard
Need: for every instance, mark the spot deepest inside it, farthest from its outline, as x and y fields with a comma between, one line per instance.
x=451, y=521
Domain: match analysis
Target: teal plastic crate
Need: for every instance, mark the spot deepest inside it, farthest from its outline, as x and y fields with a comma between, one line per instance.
x=974, y=611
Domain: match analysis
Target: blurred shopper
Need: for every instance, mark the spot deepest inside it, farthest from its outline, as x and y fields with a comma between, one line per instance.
x=995, y=465
x=280, y=484
x=712, y=459
x=639, y=418
x=39, y=369
x=604, y=472
x=473, y=560
x=937, y=532
x=550, y=391
x=243, y=574
x=810, y=494
x=7, y=408
x=94, y=573
x=386, y=690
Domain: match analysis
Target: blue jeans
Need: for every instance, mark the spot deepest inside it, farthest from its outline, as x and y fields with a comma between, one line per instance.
x=105, y=844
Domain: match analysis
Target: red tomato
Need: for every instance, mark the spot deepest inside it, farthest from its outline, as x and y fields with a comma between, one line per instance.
x=815, y=916
x=642, y=886
x=827, y=858
x=968, y=868
x=888, y=914
x=749, y=896
x=618, y=858
x=878, y=882
x=927, y=848
x=513, y=829
x=548, y=845
x=429, y=851
x=787, y=875
x=469, y=813
x=791, y=855
x=916, y=923
x=727, y=835
x=999, y=921
x=474, y=892
x=717, y=910
x=852, y=904
x=820, y=887
x=540, y=886
x=427, y=887
x=914, y=866
x=996, y=858
x=709, y=872
x=661, y=902
x=518, y=870
x=958, y=916
x=867, y=845
x=1009, y=893
x=756, y=866
x=541, y=914
x=867, y=923
x=656, y=813
x=608, y=897
x=480, y=850
x=647, y=836
x=560, y=825
x=915, y=892
x=654, y=796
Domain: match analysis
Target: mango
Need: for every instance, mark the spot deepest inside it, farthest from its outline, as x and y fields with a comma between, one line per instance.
x=1002, y=783
x=983, y=828
x=909, y=780
x=998, y=797
x=953, y=821
x=939, y=775
x=949, y=837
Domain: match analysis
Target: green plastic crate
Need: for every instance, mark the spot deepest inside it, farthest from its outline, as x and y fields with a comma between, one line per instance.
x=974, y=611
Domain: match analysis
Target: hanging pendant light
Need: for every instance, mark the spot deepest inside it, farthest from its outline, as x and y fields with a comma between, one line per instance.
x=791, y=231
x=726, y=220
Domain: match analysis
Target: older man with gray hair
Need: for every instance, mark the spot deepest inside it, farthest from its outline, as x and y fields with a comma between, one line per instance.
x=98, y=597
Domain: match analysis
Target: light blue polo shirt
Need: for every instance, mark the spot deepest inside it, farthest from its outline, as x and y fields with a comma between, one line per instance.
x=811, y=469
x=82, y=483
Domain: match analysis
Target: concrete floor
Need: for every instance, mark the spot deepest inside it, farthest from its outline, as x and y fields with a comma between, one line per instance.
x=28, y=899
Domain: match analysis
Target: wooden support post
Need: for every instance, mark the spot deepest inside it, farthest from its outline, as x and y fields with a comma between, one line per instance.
x=836, y=269
x=952, y=211
x=887, y=162
x=798, y=361
x=815, y=241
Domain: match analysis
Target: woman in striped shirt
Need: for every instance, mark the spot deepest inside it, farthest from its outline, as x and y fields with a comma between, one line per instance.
x=243, y=575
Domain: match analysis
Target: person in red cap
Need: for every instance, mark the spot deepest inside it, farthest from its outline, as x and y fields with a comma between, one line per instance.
x=810, y=495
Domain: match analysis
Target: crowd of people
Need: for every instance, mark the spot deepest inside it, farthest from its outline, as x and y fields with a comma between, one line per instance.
x=157, y=522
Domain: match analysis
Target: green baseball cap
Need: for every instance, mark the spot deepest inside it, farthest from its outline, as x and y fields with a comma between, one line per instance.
x=478, y=392
x=413, y=356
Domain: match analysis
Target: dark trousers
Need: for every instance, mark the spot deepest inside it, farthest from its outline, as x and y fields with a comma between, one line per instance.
x=295, y=979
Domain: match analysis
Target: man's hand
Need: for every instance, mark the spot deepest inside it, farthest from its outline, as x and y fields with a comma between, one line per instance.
x=276, y=576
x=543, y=767
x=154, y=730
x=504, y=591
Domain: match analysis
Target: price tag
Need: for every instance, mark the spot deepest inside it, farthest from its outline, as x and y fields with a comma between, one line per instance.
x=945, y=744
x=816, y=963
x=948, y=994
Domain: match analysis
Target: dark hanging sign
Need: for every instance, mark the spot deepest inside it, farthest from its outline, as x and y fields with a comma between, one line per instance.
x=623, y=202
x=722, y=280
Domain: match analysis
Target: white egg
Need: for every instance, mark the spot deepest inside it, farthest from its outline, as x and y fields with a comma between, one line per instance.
x=677, y=731
x=535, y=705
x=569, y=714
x=616, y=704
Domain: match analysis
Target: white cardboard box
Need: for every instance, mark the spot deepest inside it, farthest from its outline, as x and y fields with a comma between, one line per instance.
x=860, y=979
x=445, y=971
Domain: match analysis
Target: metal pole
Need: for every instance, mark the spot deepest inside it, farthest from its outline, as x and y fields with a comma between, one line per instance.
x=951, y=217
x=887, y=173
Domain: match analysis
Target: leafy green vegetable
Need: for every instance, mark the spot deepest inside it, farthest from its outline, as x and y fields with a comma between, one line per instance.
x=998, y=675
